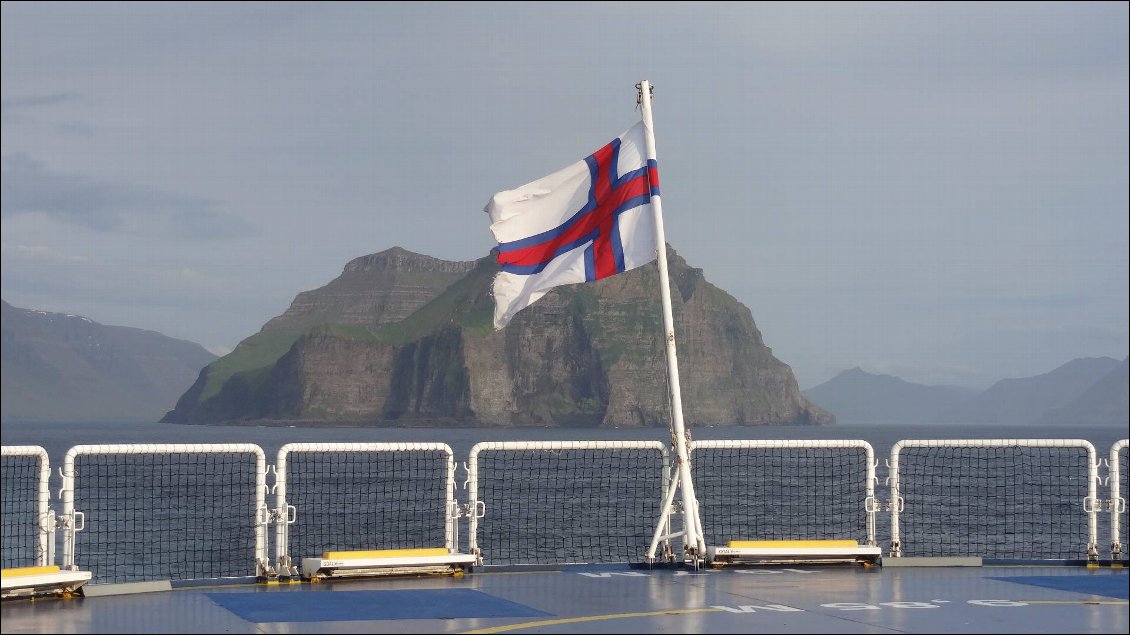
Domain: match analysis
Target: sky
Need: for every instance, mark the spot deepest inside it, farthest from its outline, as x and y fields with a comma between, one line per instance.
x=934, y=191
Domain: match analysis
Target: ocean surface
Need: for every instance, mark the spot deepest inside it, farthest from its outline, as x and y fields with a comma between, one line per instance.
x=57, y=438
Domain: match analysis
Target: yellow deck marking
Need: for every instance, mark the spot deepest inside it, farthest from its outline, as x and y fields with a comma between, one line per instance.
x=587, y=618
x=20, y=572
x=383, y=553
x=784, y=544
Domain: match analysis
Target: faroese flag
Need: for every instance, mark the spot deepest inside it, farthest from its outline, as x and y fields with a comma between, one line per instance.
x=588, y=221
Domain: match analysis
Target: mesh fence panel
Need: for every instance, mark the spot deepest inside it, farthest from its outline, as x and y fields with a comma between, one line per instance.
x=20, y=509
x=994, y=502
x=781, y=493
x=176, y=516
x=553, y=506
x=353, y=500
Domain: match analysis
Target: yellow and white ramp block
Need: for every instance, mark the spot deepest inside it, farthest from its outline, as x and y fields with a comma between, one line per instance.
x=792, y=551
x=48, y=580
x=344, y=564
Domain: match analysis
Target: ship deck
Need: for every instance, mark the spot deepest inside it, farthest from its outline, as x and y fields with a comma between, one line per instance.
x=802, y=599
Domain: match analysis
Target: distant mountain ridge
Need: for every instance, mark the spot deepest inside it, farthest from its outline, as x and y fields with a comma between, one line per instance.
x=1086, y=391
x=1107, y=402
x=1025, y=400
x=856, y=396
x=406, y=339
x=62, y=367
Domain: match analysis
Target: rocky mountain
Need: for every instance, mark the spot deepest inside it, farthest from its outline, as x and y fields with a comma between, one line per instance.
x=1026, y=400
x=372, y=292
x=1107, y=402
x=405, y=339
x=856, y=396
x=59, y=367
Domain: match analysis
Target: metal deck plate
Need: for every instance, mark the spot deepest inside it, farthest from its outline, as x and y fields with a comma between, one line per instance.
x=343, y=605
x=837, y=599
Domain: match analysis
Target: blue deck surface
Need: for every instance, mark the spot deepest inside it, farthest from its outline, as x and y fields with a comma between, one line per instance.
x=1108, y=585
x=802, y=599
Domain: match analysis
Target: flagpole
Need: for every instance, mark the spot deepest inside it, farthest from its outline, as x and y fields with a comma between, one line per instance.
x=692, y=537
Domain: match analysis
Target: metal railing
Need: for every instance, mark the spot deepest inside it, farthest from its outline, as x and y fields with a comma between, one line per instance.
x=555, y=502
x=786, y=489
x=190, y=511
x=350, y=496
x=27, y=514
x=997, y=498
x=138, y=512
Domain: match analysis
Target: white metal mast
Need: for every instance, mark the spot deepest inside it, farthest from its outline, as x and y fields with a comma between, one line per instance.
x=681, y=478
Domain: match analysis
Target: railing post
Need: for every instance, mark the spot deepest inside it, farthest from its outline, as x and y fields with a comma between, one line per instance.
x=472, y=486
x=283, y=563
x=68, y=518
x=1117, y=503
x=451, y=507
x=262, y=559
x=869, y=501
x=895, y=501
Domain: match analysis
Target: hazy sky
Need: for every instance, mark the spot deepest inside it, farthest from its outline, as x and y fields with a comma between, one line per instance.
x=934, y=191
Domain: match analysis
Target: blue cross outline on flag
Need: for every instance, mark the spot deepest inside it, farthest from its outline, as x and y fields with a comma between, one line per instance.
x=586, y=222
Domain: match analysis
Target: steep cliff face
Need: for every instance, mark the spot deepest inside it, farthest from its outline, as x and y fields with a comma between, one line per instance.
x=728, y=375
x=584, y=355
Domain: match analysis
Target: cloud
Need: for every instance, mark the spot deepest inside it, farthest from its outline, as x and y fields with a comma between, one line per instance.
x=75, y=128
x=28, y=187
x=189, y=280
x=41, y=273
x=15, y=111
x=36, y=253
x=34, y=101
